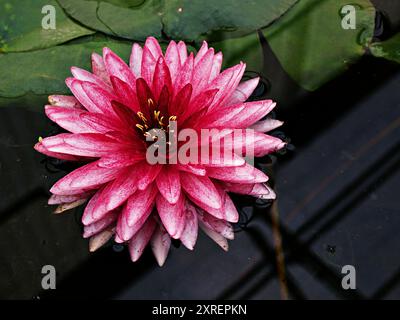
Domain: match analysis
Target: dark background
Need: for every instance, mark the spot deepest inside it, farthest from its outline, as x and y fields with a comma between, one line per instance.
x=338, y=204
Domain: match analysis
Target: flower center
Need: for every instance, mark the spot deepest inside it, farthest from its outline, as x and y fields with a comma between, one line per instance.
x=154, y=119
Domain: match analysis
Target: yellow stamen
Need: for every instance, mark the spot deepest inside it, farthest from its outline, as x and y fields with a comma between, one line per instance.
x=140, y=127
x=150, y=102
x=142, y=117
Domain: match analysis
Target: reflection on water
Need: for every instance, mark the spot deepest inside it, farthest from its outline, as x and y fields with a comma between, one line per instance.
x=337, y=205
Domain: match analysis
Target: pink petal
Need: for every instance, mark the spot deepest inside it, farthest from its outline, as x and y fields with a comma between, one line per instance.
x=220, y=240
x=68, y=118
x=168, y=182
x=202, y=70
x=216, y=66
x=154, y=47
x=189, y=234
x=182, y=50
x=201, y=53
x=148, y=65
x=162, y=77
x=243, y=91
x=140, y=240
x=116, y=192
x=96, y=227
x=195, y=169
x=56, y=199
x=135, y=61
x=220, y=226
x=117, y=67
x=201, y=189
x=99, y=68
x=185, y=74
x=42, y=149
x=252, y=112
x=86, y=76
x=172, y=215
x=227, y=82
x=125, y=93
x=99, y=97
x=243, y=174
x=76, y=88
x=89, y=176
x=258, y=189
x=97, y=122
x=121, y=159
x=149, y=174
x=139, y=206
x=172, y=59
x=160, y=244
x=266, y=125
x=82, y=144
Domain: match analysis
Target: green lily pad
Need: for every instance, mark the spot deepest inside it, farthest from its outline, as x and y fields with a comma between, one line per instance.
x=311, y=44
x=43, y=72
x=136, y=23
x=21, y=26
x=177, y=19
x=389, y=49
x=246, y=49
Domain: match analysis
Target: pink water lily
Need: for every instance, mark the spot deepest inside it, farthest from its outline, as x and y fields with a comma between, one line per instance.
x=107, y=119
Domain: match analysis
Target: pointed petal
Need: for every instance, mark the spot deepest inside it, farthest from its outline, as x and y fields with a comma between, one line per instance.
x=216, y=66
x=202, y=70
x=220, y=240
x=243, y=174
x=96, y=227
x=172, y=59
x=220, y=226
x=135, y=60
x=260, y=190
x=150, y=172
x=202, y=189
x=89, y=176
x=125, y=93
x=160, y=244
x=139, y=206
x=154, y=47
x=68, y=118
x=86, y=76
x=185, y=74
x=189, y=234
x=81, y=144
x=266, y=125
x=182, y=50
x=76, y=88
x=148, y=65
x=168, y=182
x=116, y=192
x=172, y=215
x=99, y=68
x=99, y=97
x=243, y=91
x=140, y=240
x=162, y=77
x=117, y=67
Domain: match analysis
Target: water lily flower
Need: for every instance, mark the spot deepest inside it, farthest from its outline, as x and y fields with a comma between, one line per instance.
x=108, y=122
